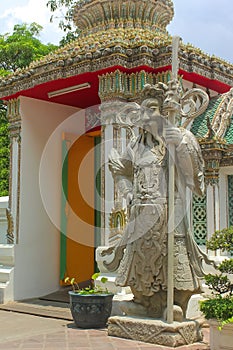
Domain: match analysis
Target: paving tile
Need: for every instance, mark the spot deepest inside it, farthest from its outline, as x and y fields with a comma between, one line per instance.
x=32, y=345
x=103, y=347
x=78, y=343
x=50, y=348
x=27, y=332
x=152, y=347
x=32, y=348
x=79, y=348
x=121, y=341
x=7, y=346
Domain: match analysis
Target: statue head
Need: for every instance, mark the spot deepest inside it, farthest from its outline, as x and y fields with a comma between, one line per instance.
x=152, y=98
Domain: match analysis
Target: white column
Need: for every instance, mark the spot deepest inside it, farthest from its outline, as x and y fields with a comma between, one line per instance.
x=15, y=183
x=210, y=211
x=15, y=161
x=216, y=206
x=213, y=210
x=108, y=182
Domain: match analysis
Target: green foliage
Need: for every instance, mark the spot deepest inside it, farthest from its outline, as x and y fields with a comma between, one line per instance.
x=19, y=49
x=219, y=283
x=3, y=72
x=64, y=10
x=222, y=240
x=92, y=289
x=226, y=266
x=229, y=320
x=4, y=187
x=4, y=151
x=220, y=306
x=69, y=37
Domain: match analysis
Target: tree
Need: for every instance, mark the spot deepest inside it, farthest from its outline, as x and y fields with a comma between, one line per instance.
x=220, y=305
x=17, y=50
x=64, y=10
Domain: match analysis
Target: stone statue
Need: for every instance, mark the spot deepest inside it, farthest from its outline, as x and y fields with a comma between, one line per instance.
x=141, y=175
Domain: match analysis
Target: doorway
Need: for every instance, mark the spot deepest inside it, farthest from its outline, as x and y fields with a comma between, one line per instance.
x=78, y=208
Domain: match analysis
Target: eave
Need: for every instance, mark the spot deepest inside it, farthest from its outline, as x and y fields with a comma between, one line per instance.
x=88, y=57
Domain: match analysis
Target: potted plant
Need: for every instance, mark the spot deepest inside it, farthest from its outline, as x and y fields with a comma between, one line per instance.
x=91, y=306
x=218, y=307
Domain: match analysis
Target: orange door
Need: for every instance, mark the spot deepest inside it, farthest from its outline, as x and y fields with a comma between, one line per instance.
x=80, y=213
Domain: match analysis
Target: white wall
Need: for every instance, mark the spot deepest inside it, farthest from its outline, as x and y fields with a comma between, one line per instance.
x=38, y=249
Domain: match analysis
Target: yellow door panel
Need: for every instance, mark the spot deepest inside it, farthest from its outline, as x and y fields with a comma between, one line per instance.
x=80, y=209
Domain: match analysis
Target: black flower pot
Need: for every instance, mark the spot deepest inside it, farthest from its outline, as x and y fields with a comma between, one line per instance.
x=90, y=311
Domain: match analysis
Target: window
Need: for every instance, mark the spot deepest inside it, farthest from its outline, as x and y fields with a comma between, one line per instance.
x=199, y=219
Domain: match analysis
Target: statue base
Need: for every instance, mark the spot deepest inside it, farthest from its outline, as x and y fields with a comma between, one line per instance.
x=155, y=331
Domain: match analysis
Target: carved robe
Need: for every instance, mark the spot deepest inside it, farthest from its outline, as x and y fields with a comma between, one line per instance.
x=141, y=255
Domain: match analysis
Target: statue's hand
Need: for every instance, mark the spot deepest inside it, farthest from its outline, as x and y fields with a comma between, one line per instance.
x=173, y=135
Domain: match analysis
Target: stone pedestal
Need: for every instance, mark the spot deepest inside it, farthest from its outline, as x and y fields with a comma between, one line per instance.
x=155, y=331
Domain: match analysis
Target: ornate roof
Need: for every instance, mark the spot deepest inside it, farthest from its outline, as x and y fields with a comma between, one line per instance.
x=214, y=130
x=97, y=15
x=220, y=115
x=120, y=33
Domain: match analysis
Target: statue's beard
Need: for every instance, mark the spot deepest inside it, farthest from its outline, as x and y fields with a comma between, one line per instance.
x=153, y=140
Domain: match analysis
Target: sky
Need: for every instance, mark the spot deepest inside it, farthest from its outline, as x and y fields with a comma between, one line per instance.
x=207, y=24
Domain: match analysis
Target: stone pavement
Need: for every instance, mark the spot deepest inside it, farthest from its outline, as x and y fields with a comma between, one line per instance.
x=32, y=332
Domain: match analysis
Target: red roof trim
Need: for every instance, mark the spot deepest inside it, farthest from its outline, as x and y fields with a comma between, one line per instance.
x=89, y=97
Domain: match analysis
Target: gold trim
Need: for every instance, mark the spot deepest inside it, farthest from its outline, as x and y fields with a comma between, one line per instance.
x=117, y=222
x=128, y=86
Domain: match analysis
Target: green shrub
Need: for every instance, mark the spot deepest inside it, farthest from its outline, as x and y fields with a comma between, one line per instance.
x=220, y=305
x=219, y=308
x=222, y=240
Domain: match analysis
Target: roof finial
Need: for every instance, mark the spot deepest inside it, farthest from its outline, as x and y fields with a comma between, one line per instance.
x=99, y=15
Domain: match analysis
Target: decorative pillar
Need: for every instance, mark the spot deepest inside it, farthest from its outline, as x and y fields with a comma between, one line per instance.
x=212, y=150
x=110, y=139
x=210, y=210
x=13, y=114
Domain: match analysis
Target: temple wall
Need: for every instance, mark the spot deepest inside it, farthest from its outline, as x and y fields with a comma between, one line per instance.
x=37, y=251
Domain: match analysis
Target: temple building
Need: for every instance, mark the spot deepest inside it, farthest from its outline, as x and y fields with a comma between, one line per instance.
x=62, y=200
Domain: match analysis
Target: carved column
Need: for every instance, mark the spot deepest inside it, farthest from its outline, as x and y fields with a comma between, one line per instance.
x=110, y=138
x=213, y=151
x=213, y=221
x=13, y=114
